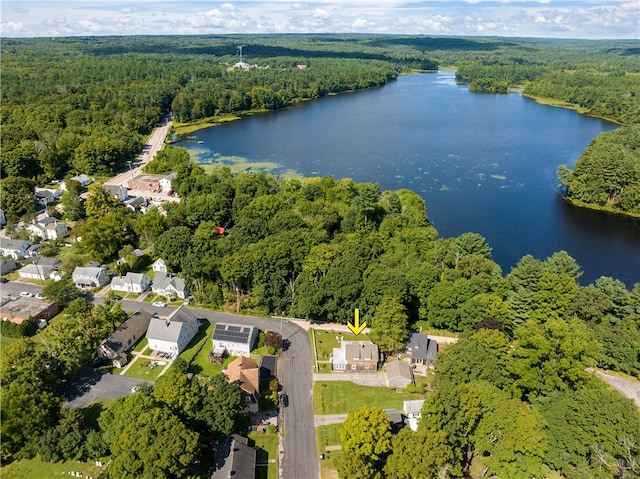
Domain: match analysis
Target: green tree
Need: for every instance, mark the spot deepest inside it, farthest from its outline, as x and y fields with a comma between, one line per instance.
x=99, y=201
x=173, y=245
x=367, y=432
x=103, y=237
x=221, y=405
x=156, y=444
x=389, y=329
x=420, y=455
x=17, y=198
x=61, y=292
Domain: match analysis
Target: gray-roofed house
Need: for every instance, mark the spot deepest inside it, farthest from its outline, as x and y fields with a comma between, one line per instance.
x=83, y=179
x=90, y=276
x=171, y=335
x=131, y=283
x=169, y=285
x=17, y=249
x=7, y=265
x=46, y=196
x=119, y=191
x=399, y=374
x=413, y=411
x=236, y=339
x=39, y=272
x=159, y=266
x=355, y=356
x=421, y=350
x=48, y=228
x=119, y=342
x=234, y=458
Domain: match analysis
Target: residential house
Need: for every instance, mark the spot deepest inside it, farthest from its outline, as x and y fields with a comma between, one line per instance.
x=90, y=277
x=171, y=335
x=119, y=342
x=137, y=203
x=159, y=266
x=169, y=285
x=245, y=373
x=399, y=374
x=413, y=411
x=7, y=265
x=236, y=339
x=21, y=308
x=46, y=196
x=355, y=356
x=421, y=350
x=16, y=249
x=83, y=179
x=234, y=458
x=48, y=228
x=131, y=283
x=39, y=272
x=165, y=183
x=119, y=191
x=138, y=253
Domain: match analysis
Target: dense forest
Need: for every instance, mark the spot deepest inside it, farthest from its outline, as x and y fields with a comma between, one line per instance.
x=607, y=174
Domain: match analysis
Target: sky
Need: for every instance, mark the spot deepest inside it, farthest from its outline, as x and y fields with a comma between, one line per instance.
x=592, y=19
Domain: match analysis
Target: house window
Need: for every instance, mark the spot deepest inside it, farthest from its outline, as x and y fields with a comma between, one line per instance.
x=353, y=366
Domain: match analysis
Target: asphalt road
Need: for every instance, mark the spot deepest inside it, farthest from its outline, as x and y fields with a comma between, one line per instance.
x=299, y=457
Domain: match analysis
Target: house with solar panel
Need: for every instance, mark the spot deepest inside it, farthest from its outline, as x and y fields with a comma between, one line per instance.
x=234, y=339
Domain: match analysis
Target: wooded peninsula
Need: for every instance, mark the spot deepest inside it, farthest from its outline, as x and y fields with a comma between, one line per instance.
x=513, y=398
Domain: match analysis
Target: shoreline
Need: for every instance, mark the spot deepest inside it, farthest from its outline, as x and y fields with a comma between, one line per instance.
x=601, y=209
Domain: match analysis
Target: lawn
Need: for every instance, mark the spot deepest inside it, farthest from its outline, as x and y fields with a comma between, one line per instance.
x=36, y=469
x=5, y=341
x=267, y=445
x=328, y=436
x=327, y=340
x=141, y=345
x=339, y=397
x=142, y=369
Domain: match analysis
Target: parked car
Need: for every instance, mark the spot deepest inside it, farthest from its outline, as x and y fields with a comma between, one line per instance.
x=159, y=304
x=3, y=280
x=284, y=399
x=26, y=294
x=39, y=296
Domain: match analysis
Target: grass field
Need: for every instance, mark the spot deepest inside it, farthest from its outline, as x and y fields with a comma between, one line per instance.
x=340, y=397
x=141, y=368
x=328, y=436
x=5, y=341
x=36, y=469
x=267, y=445
x=327, y=340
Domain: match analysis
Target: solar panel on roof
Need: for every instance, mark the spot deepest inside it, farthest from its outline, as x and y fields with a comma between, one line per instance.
x=232, y=333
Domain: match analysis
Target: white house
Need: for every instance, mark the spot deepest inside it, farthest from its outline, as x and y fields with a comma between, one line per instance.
x=90, y=276
x=169, y=285
x=17, y=249
x=119, y=191
x=172, y=335
x=355, y=356
x=131, y=283
x=159, y=266
x=48, y=228
x=236, y=339
x=40, y=272
x=165, y=183
x=413, y=411
x=83, y=179
x=46, y=196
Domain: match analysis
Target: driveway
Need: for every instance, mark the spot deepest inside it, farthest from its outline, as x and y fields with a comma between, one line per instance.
x=363, y=379
x=90, y=385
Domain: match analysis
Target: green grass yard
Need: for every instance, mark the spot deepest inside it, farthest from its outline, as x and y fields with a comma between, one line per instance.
x=267, y=446
x=5, y=341
x=141, y=369
x=328, y=436
x=36, y=469
x=340, y=397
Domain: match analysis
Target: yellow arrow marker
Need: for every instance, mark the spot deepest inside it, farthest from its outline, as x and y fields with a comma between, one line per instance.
x=357, y=327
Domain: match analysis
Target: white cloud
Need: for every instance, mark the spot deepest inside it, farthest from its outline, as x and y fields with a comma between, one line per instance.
x=540, y=18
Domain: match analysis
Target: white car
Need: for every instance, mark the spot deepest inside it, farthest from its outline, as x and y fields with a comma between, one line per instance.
x=159, y=304
x=26, y=294
x=39, y=296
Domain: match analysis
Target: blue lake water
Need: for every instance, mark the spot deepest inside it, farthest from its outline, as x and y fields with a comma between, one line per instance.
x=483, y=163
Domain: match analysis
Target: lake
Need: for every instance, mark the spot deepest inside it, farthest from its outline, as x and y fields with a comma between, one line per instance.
x=483, y=163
